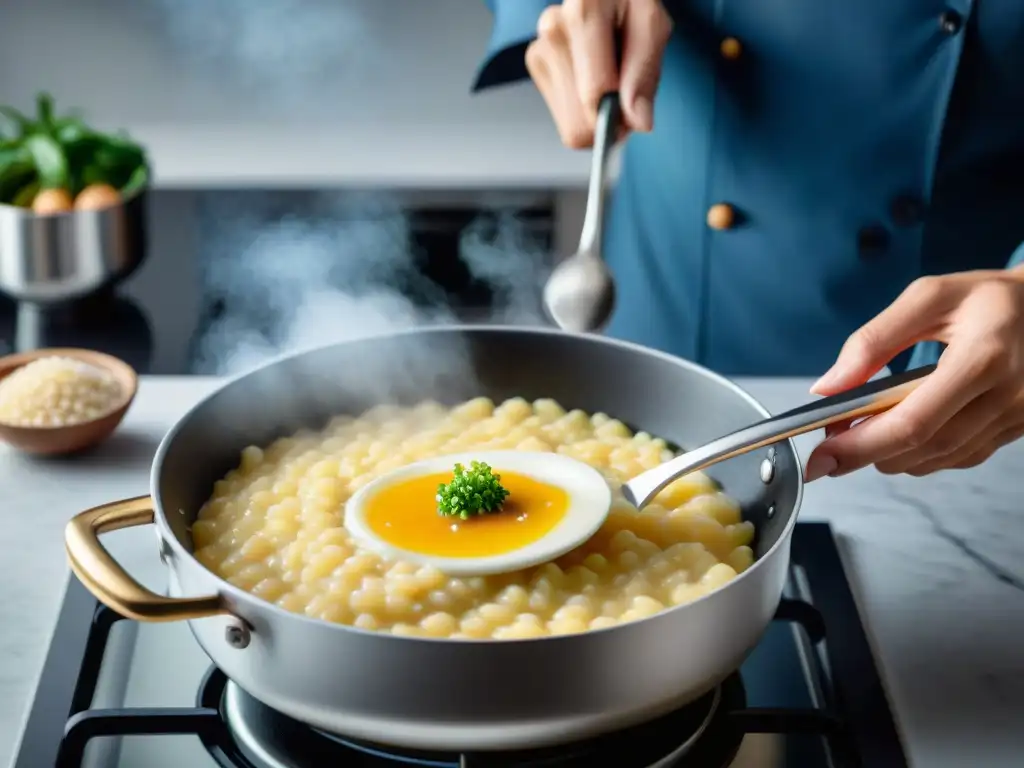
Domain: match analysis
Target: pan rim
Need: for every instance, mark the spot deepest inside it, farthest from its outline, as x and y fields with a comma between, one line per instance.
x=238, y=597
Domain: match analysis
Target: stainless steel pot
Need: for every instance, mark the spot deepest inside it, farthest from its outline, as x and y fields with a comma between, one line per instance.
x=445, y=694
x=65, y=256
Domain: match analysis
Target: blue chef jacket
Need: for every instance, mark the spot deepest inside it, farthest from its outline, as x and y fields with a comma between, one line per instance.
x=858, y=145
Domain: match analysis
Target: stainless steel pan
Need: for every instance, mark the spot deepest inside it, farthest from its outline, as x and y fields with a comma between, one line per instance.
x=444, y=694
x=66, y=256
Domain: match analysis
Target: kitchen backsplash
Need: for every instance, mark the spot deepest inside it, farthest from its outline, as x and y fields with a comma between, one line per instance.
x=312, y=88
x=229, y=61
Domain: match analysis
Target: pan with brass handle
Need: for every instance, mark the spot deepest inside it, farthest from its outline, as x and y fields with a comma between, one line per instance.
x=108, y=581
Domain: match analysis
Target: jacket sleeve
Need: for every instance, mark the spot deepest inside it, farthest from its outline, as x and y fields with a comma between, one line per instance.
x=928, y=352
x=1017, y=260
x=515, y=26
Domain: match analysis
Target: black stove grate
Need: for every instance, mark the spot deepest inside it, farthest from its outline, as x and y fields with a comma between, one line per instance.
x=640, y=747
x=855, y=720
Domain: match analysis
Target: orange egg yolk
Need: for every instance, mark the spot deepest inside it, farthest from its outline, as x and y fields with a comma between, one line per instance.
x=405, y=515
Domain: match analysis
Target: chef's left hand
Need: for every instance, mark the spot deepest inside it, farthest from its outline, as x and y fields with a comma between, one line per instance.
x=972, y=405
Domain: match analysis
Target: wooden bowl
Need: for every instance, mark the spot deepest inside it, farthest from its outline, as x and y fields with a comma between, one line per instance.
x=54, y=441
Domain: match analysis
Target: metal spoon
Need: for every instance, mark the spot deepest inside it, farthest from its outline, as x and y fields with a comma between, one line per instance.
x=580, y=293
x=872, y=398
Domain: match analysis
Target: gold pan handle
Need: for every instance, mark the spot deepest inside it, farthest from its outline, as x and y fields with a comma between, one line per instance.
x=109, y=582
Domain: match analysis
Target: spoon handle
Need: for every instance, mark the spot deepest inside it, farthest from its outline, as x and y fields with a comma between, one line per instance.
x=867, y=400
x=609, y=115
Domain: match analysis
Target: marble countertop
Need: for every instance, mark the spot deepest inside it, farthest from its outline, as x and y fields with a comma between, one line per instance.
x=937, y=565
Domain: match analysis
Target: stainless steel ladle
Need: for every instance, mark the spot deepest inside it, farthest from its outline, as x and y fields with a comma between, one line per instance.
x=867, y=400
x=580, y=293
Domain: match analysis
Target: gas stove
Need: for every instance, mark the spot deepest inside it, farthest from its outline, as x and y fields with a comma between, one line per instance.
x=116, y=694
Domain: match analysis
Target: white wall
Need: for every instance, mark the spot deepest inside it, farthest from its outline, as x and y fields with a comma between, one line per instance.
x=288, y=91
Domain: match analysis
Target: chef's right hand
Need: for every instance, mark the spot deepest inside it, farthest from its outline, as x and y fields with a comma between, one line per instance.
x=573, y=62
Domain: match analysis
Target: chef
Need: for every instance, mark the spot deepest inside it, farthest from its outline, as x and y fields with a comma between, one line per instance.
x=806, y=176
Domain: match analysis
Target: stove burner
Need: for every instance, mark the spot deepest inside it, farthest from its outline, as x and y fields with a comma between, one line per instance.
x=699, y=734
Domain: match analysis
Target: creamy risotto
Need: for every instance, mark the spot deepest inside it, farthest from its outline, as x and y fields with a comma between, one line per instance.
x=274, y=528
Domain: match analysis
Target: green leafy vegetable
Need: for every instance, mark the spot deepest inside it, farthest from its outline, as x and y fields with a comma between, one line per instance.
x=12, y=154
x=50, y=161
x=16, y=172
x=136, y=182
x=44, y=110
x=70, y=129
x=26, y=195
x=22, y=125
x=475, y=491
x=52, y=151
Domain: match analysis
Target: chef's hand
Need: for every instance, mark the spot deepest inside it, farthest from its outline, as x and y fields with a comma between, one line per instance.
x=573, y=62
x=972, y=405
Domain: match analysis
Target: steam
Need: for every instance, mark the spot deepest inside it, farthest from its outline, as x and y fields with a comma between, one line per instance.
x=346, y=270
x=286, y=46
x=346, y=267
x=508, y=260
